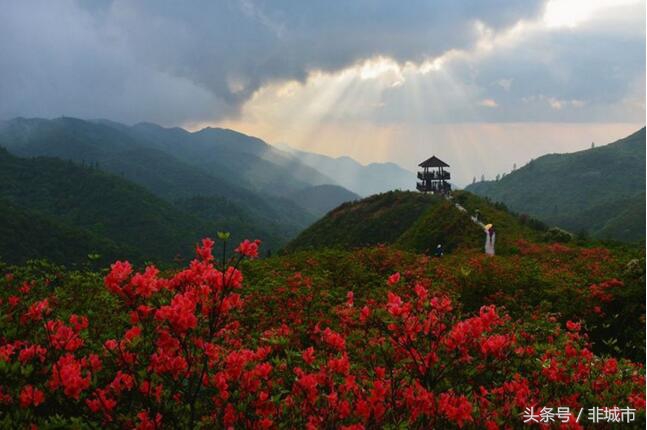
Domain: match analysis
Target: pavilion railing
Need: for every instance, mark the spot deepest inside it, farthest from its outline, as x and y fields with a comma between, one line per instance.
x=434, y=176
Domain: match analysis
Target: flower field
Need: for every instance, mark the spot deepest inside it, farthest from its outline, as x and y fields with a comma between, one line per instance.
x=365, y=339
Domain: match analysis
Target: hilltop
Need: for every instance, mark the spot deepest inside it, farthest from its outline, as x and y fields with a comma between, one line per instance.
x=416, y=222
x=599, y=190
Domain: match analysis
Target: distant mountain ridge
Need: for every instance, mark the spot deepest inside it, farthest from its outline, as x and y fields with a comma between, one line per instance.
x=364, y=180
x=175, y=164
x=202, y=182
x=600, y=190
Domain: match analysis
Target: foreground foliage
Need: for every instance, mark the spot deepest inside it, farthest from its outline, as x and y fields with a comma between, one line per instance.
x=376, y=338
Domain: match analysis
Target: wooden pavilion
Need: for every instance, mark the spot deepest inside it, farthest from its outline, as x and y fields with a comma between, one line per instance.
x=434, y=177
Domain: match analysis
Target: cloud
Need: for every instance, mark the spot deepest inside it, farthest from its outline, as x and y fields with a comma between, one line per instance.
x=378, y=61
x=172, y=62
x=515, y=93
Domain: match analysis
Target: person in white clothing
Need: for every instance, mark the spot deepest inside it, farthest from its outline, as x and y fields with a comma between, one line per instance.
x=490, y=237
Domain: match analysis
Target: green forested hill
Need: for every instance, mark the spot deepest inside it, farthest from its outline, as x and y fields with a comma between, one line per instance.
x=28, y=235
x=415, y=221
x=102, y=209
x=276, y=191
x=599, y=190
x=381, y=218
x=171, y=163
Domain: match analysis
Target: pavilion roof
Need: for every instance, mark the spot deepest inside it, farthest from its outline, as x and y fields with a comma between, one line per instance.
x=433, y=162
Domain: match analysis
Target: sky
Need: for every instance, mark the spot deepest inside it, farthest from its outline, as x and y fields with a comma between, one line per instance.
x=482, y=84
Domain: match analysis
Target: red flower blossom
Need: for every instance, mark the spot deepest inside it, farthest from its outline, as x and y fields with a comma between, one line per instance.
x=204, y=251
x=180, y=314
x=132, y=333
x=334, y=339
x=120, y=271
x=32, y=352
x=395, y=305
x=37, y=310
x=456, y=408
x=393, y=279
x=102, y=402
x=63, y=337
x=495, y=345
x=309, y=355
x=145, y=284
x=573, y=326
x=610, y=366
x=68, y=373
x=148, y=423
x=365, y=313
x=31, y=396
x=248, y=249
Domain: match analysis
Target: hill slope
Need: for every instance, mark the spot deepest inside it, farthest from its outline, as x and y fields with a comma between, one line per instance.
x=246, y=160
x=112, y=209
x=151, y=160
x=413, y=221
x=600, y=190
x=28, y=235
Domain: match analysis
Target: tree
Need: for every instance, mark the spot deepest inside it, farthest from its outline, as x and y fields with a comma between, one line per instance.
x=482, y=178
x=498, y=177
x=514, y=167
x=474, y=180
x=592, y=145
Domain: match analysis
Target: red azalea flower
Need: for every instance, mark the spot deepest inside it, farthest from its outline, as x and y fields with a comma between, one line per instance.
x=573, y=326
x=393, y=279
x=309, y=355
x=248, y=249
x=31, y=396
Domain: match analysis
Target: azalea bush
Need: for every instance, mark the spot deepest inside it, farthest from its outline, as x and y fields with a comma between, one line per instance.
x=604, y=289
x=372, y=339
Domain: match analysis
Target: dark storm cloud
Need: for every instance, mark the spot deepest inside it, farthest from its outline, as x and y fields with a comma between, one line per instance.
x=172, y=61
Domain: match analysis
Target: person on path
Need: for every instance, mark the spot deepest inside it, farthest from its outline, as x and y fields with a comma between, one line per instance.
x=439, y=251
x=490, y=238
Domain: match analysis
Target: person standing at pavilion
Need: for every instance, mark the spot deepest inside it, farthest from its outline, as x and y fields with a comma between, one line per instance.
x=490, y=238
